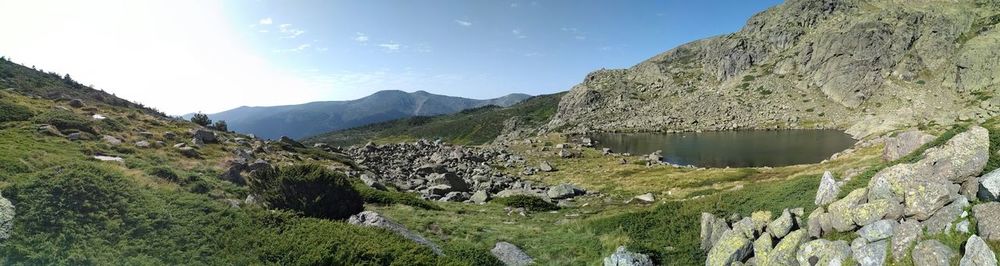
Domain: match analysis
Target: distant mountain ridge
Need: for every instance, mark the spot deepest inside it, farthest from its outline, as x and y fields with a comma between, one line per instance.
x=303, y=120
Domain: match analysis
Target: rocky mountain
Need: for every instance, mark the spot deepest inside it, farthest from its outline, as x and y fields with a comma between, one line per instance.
x=862, y=65
x=309, y=119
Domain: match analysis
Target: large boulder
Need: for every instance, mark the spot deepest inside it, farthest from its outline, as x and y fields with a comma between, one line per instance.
x=451, y=180
x=963, y=156
x=904, y=143
x=977, y=253
x=842, y=211
x=988, y=218
x=875, y=210
x=932, y=253
x=876, y=231
x=828, y=190
x=989, y=186
x=623, y=257
x=373, y=219
x=7, y=212
x=823, y=252
x=204, y=136
x=781, y=226
x=943, y=218
x=546, y=167
x=903, y=237
x=563, y=191
x=869, y=253
x=732, y=247
x=511, y=255
x=785, y=252
x=712, y=229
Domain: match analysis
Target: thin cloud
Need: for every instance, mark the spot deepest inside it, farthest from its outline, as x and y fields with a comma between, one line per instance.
x=577, y=34
x=290, y=33
x=515, y=5
x=390, y=47
x=518, y=34
x=360, y=37
x=296, y=49
x=265, y=21
x=463, y=23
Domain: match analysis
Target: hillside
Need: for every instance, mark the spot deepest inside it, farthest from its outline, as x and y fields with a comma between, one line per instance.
x=863, y=65
x=473, y=126
x=297, y=121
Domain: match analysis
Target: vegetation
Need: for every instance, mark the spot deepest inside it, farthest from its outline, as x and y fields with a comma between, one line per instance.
x=309, y=189
x=65, y=121
x=201, y=119
x=219, y=125
x=374, y=196
x=527, y=202
x=473, y=126
x=13, y=112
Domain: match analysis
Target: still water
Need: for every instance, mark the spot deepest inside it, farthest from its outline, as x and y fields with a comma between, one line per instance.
x=732, y=148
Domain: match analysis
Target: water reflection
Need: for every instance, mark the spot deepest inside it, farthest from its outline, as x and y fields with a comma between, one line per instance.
x=733, y=148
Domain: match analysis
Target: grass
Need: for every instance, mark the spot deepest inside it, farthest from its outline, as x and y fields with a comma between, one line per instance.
x=993, y=125
x=527, y=202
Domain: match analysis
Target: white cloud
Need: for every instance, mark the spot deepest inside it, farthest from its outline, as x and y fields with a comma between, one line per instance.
x=199, y=63
x=360, y=37
x=265, y=21
x=463, y=23
x=580, y=37
x=290, y=33
x=391, y=47
x=517, y=33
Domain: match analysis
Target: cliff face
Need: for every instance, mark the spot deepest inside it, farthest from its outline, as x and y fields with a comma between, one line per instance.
x=862, y=65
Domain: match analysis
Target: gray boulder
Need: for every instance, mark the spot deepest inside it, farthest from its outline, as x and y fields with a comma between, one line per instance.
x=189, y=152
x=205, y=136
x=546, y=167
x=7, y=212
x=842, y=211
x=480, y=197
x=977, y=253
x=76, y=103
x=989, y=186
x=904, y=143
x=711, y=230
x=823, y=252
x=111, y=140
x=942, y=220
x=875, y=210
x=906, y=234
x=782, y=225
x=876, y=231
x=731, y=247
x=828, y=190
x=449, y=179
x=786, y=251
x=563, y=191
x=511, y=255
x=373, y=219
x=932, y=253
x=623, y=257
x=869, y=254
x=988, y=220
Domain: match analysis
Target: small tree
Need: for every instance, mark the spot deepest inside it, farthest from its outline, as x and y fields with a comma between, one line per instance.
x=310, y=189
x=201, y=119
x=220, y=126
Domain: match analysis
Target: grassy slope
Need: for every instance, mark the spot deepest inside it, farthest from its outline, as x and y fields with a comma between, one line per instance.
x=474, y=126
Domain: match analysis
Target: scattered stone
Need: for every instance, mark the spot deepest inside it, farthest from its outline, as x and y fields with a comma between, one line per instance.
x=189, y=152
x=711, y=230
x=371, y=182
x=205, y=136
x=169, y=135
x=111, y=140
x=731, y=247
x=455, y=196
x=842, y=211
x=760, y=220
x=511, y=255
x=563, y=191
x=546, y=167
x=373, y=219
x=932, y=253
x=76, y=103
x=109, y=159
x=142, y=144
x=623, y=257
x=50, y=130
x=942, y=220
x=564, y=153
x=606, y=151
x=645, y=198
x=480, y=197
x=874, y=210
x=977, y=253
x=988, y=220
x=828, y=190
x=786, y=250
x=781, y=226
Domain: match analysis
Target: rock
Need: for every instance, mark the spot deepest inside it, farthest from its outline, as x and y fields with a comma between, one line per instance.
x=645, y=198
x=874, y=210
x=546, y=167
x=711, y=230
x=923, y=199
x=371, y=182
x=970, y=188
x=7, y=213
x=450, y=179
x=842, y=211
x=781, y=226
x=564, y=153
x=989, y=186
x=828, y=190
x=511, y=255
x=988, y=220
x=109, y=159
x=823, y=252
x=606, y=151
x=869, y=254
x=49, y=130
x=815, y=222
x=903, y=237
x=455, y=196
x=876, y=231
x=963, y=227
x=977, y=253
x=731, y=247
x=76, y=103
x=480, y=197
x=562, y=191
x=760, y=220
x=205, y=136
x=258, y=165
x=169, y=135
x=963, y=156
x=904, y=143
x=189, y=152
x=785, y=252
x=289, y=142
x=373, y=219
x=932, y=253
x=233, y=173
x=942, y=220
x=142, y=144
x=623, y=257
x=111, y=140
x=762, y=247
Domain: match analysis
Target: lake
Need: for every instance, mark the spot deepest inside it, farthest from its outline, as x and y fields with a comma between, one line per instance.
x=732, y=148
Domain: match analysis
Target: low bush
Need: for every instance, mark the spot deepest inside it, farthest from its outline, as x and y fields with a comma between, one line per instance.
x=309, y=189
x=164, y=173
x=13, y=112
x=528, y=202
x=65, y=120
x=374, y=196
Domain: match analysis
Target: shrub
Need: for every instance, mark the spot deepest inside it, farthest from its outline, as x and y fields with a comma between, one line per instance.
x=13, y=112
x=309, y=189
x=371, y=195
x=164, y=173
x=65, y=120
x=201, y=119
x=220, y=126
x=528, y=202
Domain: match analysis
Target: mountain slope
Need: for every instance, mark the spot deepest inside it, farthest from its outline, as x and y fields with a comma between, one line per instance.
x=863, y=65
x=309, y=119
x=473, y=126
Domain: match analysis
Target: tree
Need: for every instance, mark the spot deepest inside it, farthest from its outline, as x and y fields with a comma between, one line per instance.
x=220, y=126
x=201, y=119
x=310, y=189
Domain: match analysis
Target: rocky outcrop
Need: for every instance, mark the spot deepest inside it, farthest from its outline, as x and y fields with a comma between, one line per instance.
x=511, y=255
x=373, y=219
x=623, y=257
x=904, y=143
x=755, y=238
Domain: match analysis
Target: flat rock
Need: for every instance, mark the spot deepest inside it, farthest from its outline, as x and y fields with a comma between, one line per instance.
x=511, y=255
x=903, y=237
x=876, y=231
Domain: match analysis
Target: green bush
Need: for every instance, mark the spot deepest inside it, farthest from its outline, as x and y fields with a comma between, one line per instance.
x=13, y=112
x=65, y=120
x=164, y=173
x=309, y=189
x=528, y=202
x=201, y=119
x=374, y=196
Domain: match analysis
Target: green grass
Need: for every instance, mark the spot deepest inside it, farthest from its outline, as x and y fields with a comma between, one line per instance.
x=65, y=121
x=374, y=196
x=993, y=125
x=527, y=202
x=473, y=126
x=13, y=112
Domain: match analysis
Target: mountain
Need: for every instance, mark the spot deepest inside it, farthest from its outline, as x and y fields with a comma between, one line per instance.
x=297, y=121
x=866, y=66
x=472, y=126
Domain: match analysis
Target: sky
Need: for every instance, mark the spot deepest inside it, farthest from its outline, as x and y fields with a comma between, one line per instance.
x=183, y=56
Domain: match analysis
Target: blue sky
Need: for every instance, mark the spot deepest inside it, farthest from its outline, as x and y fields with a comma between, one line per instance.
x=269, y=52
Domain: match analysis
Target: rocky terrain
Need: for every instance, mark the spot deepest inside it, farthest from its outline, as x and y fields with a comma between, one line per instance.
x=867, y=66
